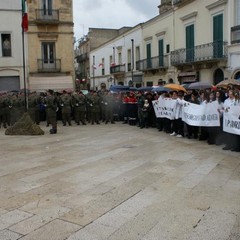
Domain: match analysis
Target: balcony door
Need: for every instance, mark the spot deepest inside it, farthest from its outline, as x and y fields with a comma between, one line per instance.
x=48, y=55
x=161, y=53
x=190, y=43
x=47, y=7
x=149, y=56
x=218, y=36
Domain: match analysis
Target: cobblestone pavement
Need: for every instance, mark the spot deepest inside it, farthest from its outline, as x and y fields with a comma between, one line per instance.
x=117, y=182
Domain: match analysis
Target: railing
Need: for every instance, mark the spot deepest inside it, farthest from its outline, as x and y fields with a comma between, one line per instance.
x=82, y=57
x=49, y=65
x=159, y=62
x=175, y=2
x=117, y=68
x=235, y=34
x=205, y=52
x=47, y=15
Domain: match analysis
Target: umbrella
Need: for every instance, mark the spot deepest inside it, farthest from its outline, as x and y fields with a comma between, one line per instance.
x=175, y=87
x=145, y=89
x=227, y=82
x=118, y=88
x=161, y=89
x=200, y=85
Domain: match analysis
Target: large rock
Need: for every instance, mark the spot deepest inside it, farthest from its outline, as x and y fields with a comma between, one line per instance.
x=24, y=126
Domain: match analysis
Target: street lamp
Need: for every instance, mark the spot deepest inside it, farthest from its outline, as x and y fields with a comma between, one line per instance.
x=132, y=65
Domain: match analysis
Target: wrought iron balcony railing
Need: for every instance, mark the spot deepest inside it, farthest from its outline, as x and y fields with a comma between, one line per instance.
x=235, y=34
x=159, y=62
x=49, y=16
x=205, y=52
x=117, y=68
x=82, y=57
x=49, y=65
x=175, y=2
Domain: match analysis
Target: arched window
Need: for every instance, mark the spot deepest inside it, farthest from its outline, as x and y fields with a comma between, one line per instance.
x=218, y=76
x=237, y=75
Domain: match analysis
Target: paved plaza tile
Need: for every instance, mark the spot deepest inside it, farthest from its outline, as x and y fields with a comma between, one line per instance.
x=117, y=182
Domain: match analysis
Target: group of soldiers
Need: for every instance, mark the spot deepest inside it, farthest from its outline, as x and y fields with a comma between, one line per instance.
x=53, y=106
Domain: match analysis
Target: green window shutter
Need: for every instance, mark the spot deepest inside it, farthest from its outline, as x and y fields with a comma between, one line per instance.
x=149, y=56
x=161, y=52
x=218, y=36
x=190, y=43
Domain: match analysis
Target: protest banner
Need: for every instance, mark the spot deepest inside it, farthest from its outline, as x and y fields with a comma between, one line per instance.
x=165, y=108
x=205, y=115
x=231, y=120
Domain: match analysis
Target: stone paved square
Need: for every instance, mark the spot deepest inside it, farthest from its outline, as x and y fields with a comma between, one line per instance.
x=117, y=182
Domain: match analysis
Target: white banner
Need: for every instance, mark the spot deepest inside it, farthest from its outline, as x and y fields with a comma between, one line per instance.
x=231, y=120
x=165, y=108
x=205, y=115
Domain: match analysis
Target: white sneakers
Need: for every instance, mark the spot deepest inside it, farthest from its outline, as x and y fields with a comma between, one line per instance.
x=177, y=135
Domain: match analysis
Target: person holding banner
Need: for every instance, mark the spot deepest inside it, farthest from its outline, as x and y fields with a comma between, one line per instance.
x=231, y=139
x=178, y=115
x=193, y=130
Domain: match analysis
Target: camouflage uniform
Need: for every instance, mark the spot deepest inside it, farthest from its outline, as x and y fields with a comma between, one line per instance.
x=65, y=103
x=51, y=108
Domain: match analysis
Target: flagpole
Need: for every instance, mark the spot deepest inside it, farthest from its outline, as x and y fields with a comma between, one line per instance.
x=24, y=68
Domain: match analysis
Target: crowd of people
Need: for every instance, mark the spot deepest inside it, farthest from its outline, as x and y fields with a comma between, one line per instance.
x=129, y=107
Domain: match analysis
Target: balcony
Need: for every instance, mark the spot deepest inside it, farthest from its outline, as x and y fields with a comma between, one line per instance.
x=209, y=52
x=154, y=63
x=83, y=57
x=117, y=69
x=235, y=34
x=178, y=2
x=47, y=16
x=49, y=65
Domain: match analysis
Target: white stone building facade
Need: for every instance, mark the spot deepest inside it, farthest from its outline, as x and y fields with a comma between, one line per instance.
x=11, y=46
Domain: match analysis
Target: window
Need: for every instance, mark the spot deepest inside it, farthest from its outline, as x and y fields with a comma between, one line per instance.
x=149, y=60
x=190, y=43
x=48, y=52
x=119, y=58
x=47, y=7
x=149, y=84
x=237, y=7
x=6, y=45
x=160, y=52
x=218, y=36
x=168, y=48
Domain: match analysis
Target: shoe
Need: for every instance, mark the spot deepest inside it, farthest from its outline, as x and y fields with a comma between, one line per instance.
x=173, y=134
x=235, y=149
x=226, y=148
x=179, y=136
x=53, y=131
x=112, y=122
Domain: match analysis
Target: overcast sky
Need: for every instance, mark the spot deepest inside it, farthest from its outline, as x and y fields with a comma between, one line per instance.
x=111, y=13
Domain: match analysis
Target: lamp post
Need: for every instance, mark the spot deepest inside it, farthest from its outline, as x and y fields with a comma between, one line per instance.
x=114, y=64
x=132, y=65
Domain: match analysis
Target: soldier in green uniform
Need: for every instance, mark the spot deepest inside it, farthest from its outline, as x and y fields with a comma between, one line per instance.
x=33, y=107
x=95, y=108
x=140, y=103
x=79, y=103
x=65, y=103
x=51, y=107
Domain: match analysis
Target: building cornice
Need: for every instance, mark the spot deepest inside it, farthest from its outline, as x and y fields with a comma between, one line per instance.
x=188, y=16
x=216, y=4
